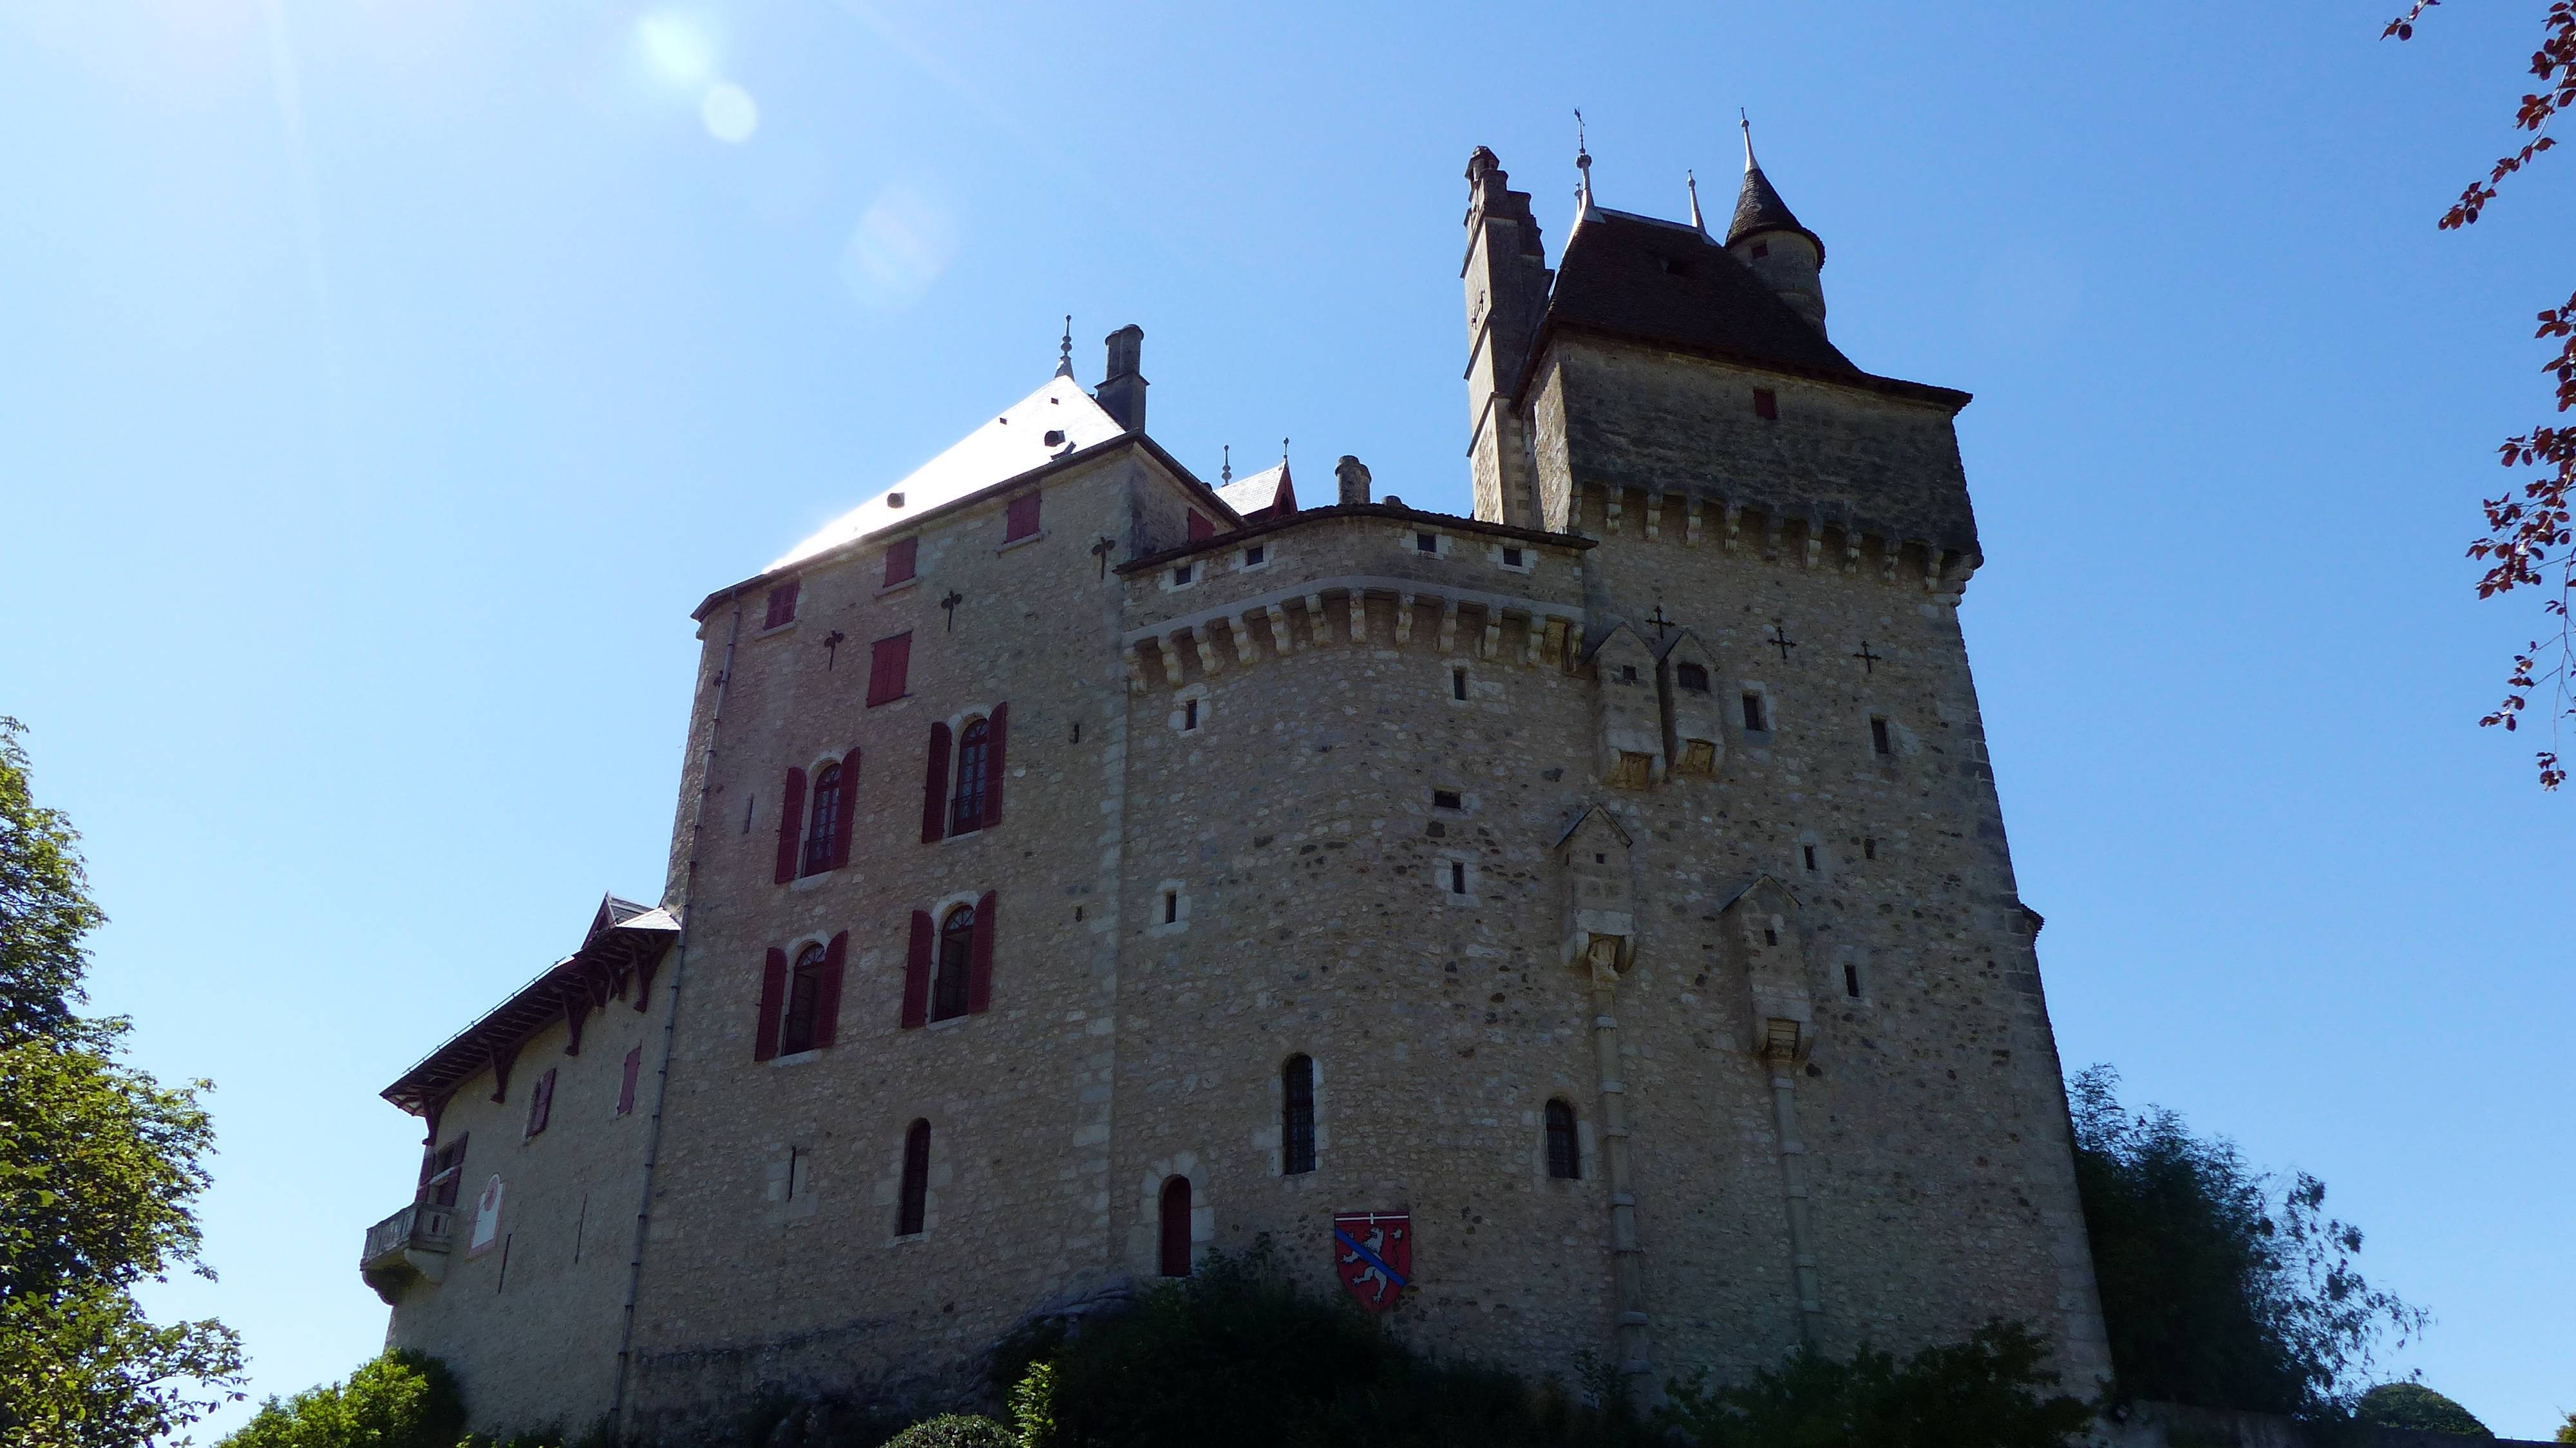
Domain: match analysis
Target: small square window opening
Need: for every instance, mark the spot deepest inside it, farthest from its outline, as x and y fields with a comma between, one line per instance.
x=1253, y=555
x=1627, y=673
x=1511, y=558
x=1426, y=542
x=1766, y=404
x=1181, y=575
x=1445, y=799
x=1690, y=678
x=1761, y=249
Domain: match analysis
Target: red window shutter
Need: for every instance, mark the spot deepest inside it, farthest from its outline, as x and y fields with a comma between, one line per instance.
x=900, y=556
x=934, y=789
x=626, y=1083
x=541, y=1102
x=849, y=809
x=997, y=733
x=889, y=668
x=773, y=997
x=916, y=973
x=827, y=990
x=979, y=968
x=791, y=825
x=782, y=605
x=1200, y=527
x=1020, y=519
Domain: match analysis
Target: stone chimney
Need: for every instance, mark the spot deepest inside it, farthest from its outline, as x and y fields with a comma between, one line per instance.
x=1121, y=393
x=1354, y=476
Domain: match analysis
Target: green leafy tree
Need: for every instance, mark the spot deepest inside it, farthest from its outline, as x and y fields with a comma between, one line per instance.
x=2415, y=1406
x=2567, y=1430
x=955, y=1430
x=399, y=1400
x=1992, y=1391
x=2217, y=1291
x=100, y=1169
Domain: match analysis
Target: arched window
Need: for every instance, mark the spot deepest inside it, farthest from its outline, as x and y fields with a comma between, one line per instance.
x=823, y=820
x=1176, y=1227
x=913, y=1207
x=966, y=808
x=1297, y=1116
x=804, y=998
x=1691, y=678
x=948, y=989
x=1564, y=1154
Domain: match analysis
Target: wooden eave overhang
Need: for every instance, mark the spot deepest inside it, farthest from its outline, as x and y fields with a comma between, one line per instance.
x=1053, y=466
x=617, y=959
x=1447, y=522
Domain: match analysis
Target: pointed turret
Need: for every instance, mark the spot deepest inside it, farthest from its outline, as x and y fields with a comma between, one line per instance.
x=1767, y=236
x=1507, y=277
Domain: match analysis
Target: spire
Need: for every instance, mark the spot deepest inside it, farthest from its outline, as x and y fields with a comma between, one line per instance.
x=1692, y=181
x=1064, y=354
x=1758, y=208
x=1583, y=168
x=1225, y=474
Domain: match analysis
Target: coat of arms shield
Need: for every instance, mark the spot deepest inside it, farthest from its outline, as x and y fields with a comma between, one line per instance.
x=1373, y=1255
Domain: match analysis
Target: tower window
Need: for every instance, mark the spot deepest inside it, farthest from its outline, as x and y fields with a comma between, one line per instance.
x=1176, y=1227
x=1297, y=1116
x=1457, y=878
x=1757, y=715
x=782, y=605
x=1511, y=558
x=804, y=995
x=1809, y=851
x=1020, y=517
x=1690, y=678
x=823, y=819
x=1761, y=249
x=1878, y=740
x=889, y=669
x=1189, y=714
x=901, y=557
x=912, y=1210
x=1770, y=935
x=1851, y=979
x=966, y=806
x=1255, y=555
x=1766, y=404
x=1446, y=799
x=1869, y=849
x=1627, y=673
x=1171, y=907
x=1426, y=542
x=948, y=989
x=1564, y=1153
x=1180, y=575
x=1458, y=684
x=541, y=1102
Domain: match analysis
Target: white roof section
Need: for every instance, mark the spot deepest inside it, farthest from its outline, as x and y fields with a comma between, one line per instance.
x=1009, y=445
x=1260, y=490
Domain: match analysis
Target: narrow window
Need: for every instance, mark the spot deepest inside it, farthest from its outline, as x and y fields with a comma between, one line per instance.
x=782, y=605
x=1076, y=736
x=1426, y=542
x=1445, y=799
x=1690, y=678
x=966, y=807
x=541, y=1102
x=1564, y=1153
x=1176, y=1227
x=1766, y=404
x=956, y=964
x=889, y=668
x=1171, y=907
x=1810, y=852
x=1878, y=741
x=1770, y=935
x=900, y=558
x=1851, y=979
x=1627, y=673
x=1180, y=575
x=1297, y=1116
x=912, y=1210
x=1511, y=558
x=796, y=1164
x=441, y=1172
x=1869, y=849
x=1457, y=878
x=1458, y=684
x=1189, y=714
x=1757, y=720
x=804, y=993
x=1253, y=555
x=626, y=1082
x=823, y=819
x=1020, y=518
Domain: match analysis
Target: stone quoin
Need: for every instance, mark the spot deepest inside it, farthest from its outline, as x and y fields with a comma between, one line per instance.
x=1078, y=869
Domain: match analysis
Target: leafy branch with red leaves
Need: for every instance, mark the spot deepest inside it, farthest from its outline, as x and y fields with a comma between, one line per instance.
x=2528, y=543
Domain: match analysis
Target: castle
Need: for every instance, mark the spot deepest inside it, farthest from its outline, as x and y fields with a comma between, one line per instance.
x=1600, y=902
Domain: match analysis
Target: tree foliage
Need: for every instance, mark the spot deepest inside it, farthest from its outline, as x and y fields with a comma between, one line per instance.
x=955, y=1430
x=2217, y=1290
x=2527, y=542
x=100, y=1169
x=1992, y=1391
x=2417, y=1407
x=399, y=1400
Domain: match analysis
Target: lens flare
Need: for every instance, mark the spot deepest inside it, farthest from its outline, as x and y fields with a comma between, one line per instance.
x=729, y=113
x=902, y=245
x=676, y=49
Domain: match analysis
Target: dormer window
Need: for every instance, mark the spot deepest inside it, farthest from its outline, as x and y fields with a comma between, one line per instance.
x=1761, y=249
x=894, y=500
x=1181, y=575
x=1426, y=542
x=1766, y=404
x=1690, y=678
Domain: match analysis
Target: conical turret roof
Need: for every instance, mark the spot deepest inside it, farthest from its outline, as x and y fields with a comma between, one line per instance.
x=1758, y=207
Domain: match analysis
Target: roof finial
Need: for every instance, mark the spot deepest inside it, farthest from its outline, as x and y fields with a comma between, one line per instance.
x=1225, y=474
x=1064, y=354
x=1742, y=120
x=1692, y=181
x=1582, y=164
x=1283, y=449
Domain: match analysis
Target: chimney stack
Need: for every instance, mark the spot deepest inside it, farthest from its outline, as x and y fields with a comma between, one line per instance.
x=1354, y=476
x=1121, y=393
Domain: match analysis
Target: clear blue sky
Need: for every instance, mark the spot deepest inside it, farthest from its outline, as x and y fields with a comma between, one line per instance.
x=384, y=380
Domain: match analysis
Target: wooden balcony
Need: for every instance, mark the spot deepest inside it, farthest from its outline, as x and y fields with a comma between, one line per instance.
x=410, y=1244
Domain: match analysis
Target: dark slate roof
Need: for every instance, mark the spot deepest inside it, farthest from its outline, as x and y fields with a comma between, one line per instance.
x=1759, y=208
x=1663, y=281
